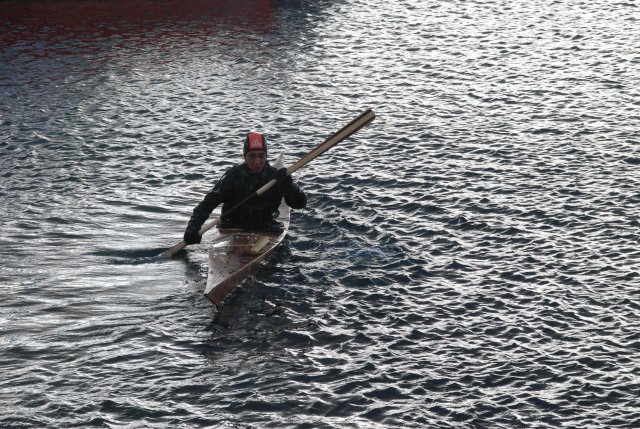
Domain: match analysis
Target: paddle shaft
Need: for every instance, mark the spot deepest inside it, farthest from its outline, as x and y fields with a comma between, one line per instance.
x=352, y=127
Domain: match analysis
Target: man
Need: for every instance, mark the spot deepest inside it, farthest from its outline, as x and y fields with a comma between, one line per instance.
x=260, y=212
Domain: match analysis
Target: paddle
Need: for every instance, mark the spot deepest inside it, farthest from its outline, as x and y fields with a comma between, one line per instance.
x=363, y=119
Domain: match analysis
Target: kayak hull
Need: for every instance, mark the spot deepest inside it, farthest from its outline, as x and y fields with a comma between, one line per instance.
x=235, y=255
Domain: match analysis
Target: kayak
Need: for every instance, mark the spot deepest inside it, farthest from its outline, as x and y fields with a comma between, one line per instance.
x=236, y=254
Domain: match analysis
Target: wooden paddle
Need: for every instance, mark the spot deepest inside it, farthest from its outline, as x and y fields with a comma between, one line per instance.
x=363, y=119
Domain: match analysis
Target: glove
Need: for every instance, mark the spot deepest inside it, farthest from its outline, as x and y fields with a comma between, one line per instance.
x=192, y=235
x=283, y=178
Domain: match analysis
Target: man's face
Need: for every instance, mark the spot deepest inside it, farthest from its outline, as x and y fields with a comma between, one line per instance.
x=256, y=160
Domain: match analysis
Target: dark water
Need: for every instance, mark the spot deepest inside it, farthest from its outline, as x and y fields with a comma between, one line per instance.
x=470, y=260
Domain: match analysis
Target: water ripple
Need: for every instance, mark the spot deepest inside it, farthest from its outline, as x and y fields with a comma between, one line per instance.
x=470, y=259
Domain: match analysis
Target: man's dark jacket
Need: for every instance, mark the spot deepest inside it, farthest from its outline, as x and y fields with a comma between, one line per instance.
x=236, y=184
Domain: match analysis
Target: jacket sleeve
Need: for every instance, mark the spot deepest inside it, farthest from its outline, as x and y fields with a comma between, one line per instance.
x=208, y=204
x=204, y=209
x=294, y=196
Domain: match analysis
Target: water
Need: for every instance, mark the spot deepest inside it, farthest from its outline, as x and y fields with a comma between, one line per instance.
x=470, y=259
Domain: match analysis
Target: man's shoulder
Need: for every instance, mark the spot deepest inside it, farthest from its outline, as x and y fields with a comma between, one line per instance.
x=236, y=171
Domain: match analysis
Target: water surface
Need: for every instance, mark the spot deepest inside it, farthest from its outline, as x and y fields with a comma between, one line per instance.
x=470, y=259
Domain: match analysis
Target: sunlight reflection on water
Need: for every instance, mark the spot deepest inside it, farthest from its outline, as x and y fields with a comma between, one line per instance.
x=470, y=258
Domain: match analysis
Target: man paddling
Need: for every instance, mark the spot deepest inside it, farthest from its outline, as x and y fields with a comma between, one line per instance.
x=258, y=213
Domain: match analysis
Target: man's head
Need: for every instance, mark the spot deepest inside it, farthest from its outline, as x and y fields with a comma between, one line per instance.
x=255, y=152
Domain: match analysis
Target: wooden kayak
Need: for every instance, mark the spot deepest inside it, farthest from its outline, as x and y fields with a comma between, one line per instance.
x=236, y=254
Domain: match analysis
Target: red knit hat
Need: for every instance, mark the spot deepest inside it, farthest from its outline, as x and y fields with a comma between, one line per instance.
x=255, y=141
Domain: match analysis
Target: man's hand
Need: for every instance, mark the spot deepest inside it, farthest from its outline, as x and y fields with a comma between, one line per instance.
x=192, y=235
x=283, y=177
